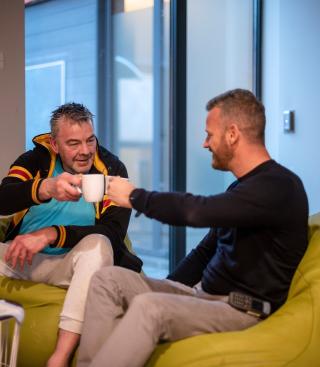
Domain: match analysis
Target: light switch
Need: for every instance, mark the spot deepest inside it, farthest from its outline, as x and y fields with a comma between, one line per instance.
x=288, y=121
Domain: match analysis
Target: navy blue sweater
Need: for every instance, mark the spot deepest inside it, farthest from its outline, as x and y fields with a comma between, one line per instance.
x=257, y=236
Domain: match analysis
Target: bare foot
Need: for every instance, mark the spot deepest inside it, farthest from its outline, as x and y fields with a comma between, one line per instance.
x=66, y=345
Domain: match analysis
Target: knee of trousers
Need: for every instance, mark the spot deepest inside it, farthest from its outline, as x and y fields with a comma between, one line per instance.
x=111, y=274
x=114, y=279
x=96, y=246
x=148, y=308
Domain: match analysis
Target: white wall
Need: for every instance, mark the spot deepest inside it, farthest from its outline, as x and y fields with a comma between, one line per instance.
x=12, y=100
x=291, y=80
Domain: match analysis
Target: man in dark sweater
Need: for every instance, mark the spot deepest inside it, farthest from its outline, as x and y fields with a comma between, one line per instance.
x=257, y=237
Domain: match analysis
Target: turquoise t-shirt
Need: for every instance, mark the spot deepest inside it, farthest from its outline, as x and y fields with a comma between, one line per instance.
x=66, y=213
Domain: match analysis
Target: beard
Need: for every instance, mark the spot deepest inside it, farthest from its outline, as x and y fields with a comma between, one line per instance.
x=222, y=156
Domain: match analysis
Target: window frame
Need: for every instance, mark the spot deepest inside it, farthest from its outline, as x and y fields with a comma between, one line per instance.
x=178, y=117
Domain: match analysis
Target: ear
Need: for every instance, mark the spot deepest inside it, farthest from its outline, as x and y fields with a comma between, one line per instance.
x=54, y=146
x=233, y=134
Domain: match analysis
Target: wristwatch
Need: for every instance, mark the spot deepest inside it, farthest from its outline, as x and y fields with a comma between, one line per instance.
x=132, y=198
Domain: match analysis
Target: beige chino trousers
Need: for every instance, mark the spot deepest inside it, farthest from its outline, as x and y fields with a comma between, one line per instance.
x=72, y=270
x=127, y=314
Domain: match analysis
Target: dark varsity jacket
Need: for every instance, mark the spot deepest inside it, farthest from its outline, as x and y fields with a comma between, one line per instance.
x=19, y=191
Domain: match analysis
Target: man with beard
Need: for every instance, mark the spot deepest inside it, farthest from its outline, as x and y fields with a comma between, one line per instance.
x=257, y=237
x=55, y=236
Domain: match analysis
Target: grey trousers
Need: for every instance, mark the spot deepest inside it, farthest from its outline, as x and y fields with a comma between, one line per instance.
x=127, y=314
x=72, y=270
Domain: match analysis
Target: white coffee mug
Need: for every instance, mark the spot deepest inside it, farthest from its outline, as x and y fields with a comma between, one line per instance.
x=106, y=178
x=92, y=187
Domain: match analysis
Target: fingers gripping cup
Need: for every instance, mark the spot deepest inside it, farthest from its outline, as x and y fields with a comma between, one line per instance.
x=108, y=179
x=92, y=187
x=106, y=183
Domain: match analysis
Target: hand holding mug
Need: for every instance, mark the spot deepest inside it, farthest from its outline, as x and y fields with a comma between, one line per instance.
x=61, y=188
x=118, y=190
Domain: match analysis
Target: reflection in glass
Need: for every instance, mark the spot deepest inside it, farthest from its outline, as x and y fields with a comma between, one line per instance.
x=219, y=58
x=60, y=59
x=140, y=94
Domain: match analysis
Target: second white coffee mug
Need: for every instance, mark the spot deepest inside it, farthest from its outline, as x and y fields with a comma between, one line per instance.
x=106, y=178
x=106, y=183
x=93, y=186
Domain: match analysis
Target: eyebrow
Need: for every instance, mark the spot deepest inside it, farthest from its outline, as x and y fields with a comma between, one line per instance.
x=78, y=140
x=72, y=141
x=92, y=136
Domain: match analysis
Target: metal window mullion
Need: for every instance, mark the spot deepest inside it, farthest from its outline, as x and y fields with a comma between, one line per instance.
x=178, y=125
x=257, y=48
x=157, y=144
x=105, y=128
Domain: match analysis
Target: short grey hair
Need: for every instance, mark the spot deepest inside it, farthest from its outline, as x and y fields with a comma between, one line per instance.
x=74, y=111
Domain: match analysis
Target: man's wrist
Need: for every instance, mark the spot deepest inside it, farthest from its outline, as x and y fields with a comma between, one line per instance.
x=48, y=235
x=139, y=199
x=133, y=196
x=55, y=236
x=43, y=193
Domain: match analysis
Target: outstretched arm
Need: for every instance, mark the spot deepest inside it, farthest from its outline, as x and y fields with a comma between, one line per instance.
x=245, y=204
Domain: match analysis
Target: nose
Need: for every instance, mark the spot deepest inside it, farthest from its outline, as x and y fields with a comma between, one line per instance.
x=205, y=144
x=84, y=149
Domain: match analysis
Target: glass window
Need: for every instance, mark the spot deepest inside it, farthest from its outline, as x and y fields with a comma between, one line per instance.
x=63, y=64
x=61, y=59
x=219, y=49
x=140, y=97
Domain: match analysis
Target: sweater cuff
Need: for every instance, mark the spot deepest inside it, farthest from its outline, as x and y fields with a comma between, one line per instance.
x=35, y=191
x=139, y=199
x=61, y=237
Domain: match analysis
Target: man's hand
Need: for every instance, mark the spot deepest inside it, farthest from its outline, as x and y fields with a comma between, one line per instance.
x=24, y=246
x=62, y=188
x=118, y=191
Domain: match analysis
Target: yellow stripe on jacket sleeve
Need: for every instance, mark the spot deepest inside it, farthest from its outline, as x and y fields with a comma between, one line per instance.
x=34, y=191
x=62, y=236
x=20, y=172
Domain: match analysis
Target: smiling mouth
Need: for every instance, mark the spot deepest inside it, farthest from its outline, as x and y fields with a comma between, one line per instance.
x=83, y=162
x=84, y=159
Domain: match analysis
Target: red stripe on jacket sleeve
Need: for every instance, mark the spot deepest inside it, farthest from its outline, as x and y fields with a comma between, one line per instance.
x=20, y=173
